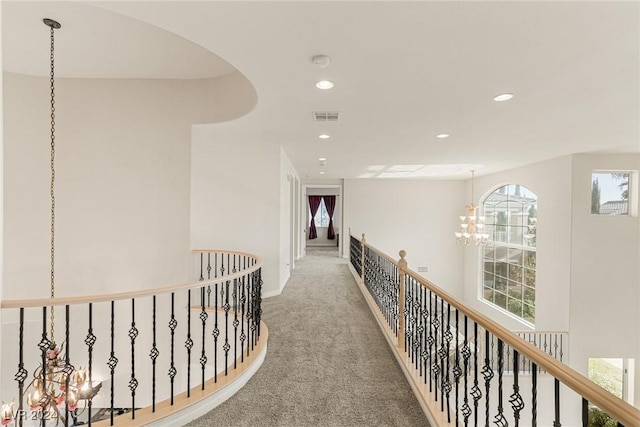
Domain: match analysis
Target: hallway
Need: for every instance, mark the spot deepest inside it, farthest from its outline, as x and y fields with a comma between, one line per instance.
x=327, y=362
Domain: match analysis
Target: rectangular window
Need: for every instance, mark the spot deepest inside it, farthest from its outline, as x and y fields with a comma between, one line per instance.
x=610, y=193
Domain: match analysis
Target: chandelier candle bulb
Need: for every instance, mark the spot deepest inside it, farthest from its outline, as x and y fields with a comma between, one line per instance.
x=472, y=226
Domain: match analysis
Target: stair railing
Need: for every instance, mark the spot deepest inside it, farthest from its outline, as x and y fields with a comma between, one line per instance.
x=149, y=354
x=465, y=368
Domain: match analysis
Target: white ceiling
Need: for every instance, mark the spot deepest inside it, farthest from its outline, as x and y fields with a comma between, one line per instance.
x=404, y=72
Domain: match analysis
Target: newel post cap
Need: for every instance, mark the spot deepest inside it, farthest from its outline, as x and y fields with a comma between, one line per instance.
x=402, y=263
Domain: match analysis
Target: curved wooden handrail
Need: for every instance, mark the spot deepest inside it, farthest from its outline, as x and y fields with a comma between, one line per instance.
x=48, y=302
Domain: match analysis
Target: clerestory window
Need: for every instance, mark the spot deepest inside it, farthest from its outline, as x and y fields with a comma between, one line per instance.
x=509, y=258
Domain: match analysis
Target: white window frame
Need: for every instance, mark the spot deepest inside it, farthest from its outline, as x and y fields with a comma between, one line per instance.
x=499, y=249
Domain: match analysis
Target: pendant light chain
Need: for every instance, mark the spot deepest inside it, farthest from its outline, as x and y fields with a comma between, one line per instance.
x=53, y=180
x=472, y=199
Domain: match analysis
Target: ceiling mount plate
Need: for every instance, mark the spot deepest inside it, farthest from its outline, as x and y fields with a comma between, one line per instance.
x=51, y=23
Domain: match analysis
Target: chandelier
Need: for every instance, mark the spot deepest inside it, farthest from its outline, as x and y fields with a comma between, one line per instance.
x=55, y=381
x=472, y=227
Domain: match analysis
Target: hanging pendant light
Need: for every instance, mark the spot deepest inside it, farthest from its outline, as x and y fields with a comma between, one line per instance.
x=55, y=381
x=472, y=227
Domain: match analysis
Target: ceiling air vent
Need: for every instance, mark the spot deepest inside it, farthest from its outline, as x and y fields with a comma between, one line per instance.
x=326, y=116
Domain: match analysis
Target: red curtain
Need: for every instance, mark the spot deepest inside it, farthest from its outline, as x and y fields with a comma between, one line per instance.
x=314, y=204
x=330, y=204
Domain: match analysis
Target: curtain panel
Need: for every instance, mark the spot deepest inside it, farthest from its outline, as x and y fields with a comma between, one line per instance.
x=314, y=204
x=330, y=204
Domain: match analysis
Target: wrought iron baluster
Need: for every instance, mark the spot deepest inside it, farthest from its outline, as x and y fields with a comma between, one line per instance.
x=172, y=327
x=22, y=373
x=534, y=394
x=259, y=298
x=499, y=419
x=442, y=354
x=475, y=390
x=188, y=343
x=243, y=300
x=216, y=334
x=585, y=412
x=226, y=345
x=67, y=366
x=153, y=355
x=113, y=361
x=457, y=371
x=435, y=367
x=487, y=373
x=448, y=337
x=430, y=341
x=201, y=266
x=556, y=421
x=421, y=329
x=209, y=269
x=466, y=354
x=515, y=399
x=236, y=322
x=251, y=317
x=203, y=354
x=409, y=320
x=133, y=382
x=90, y=340
x=44, y=345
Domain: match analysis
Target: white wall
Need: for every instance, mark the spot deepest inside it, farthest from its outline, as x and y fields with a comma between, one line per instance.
x=288, y=177
x=419, y=216
x=236, y=199
x=605, y=272
x=122, y=184
x=551, y=181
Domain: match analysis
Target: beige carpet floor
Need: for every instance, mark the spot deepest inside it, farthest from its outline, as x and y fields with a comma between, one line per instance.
x=327, y=362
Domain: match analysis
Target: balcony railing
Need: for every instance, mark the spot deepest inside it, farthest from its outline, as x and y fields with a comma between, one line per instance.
x=148, y=354
x=466, y=369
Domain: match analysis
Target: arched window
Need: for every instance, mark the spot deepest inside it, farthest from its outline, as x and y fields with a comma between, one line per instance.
x=509, y=258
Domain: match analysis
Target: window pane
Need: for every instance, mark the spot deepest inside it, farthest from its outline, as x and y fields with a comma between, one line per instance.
x=515, y=273
x=500, y=300
x=515, y=307
x=501, y=284
x=529, y=313
x=489, y=280
x=515, y=290
x=501, y=269
x=515, y=256
x=610, y=193
x=489, y=266
x=529, y=295
x=488, y=294
x=530, y=259
x=529, y=277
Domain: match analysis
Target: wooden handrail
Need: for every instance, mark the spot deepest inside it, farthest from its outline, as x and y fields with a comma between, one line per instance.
x=613, y=406
x=48, y=302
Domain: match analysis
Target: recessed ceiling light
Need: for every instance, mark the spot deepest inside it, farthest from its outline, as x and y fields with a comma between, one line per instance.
x=324, y=136
x=321, y=172
x=322, y=159
x=442, y=135
x=324, y=84
x=503, y=97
